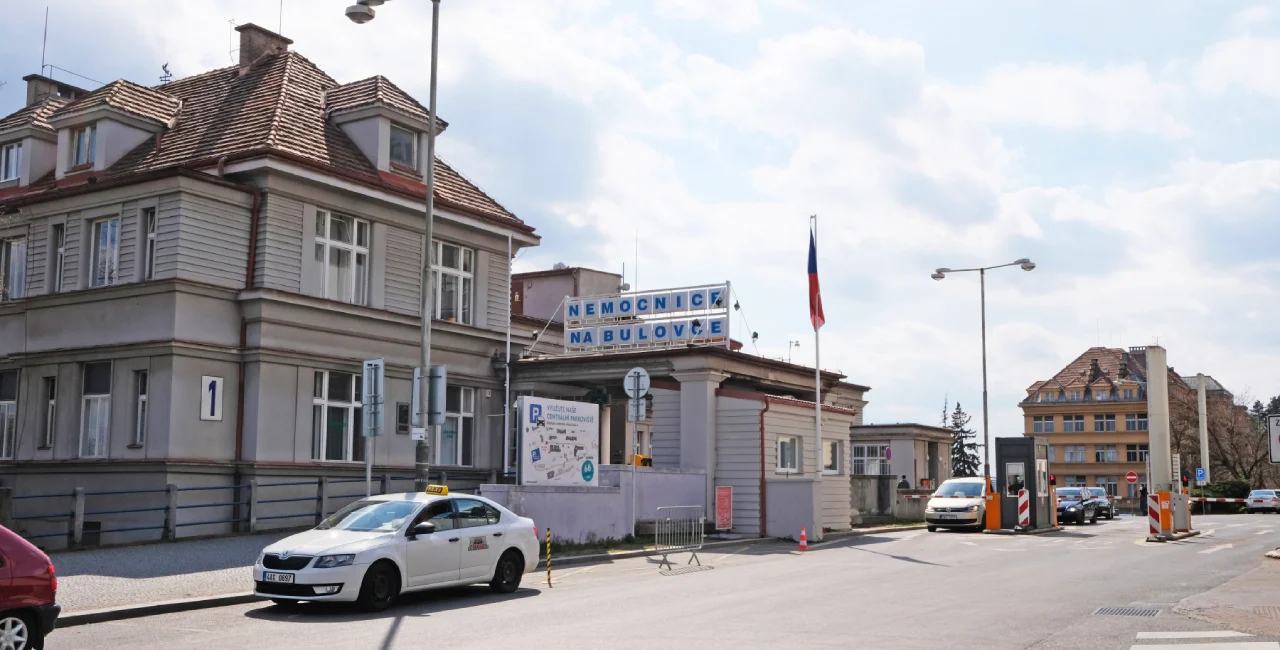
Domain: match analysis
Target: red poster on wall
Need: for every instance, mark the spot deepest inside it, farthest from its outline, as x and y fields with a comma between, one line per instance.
x=724, y=507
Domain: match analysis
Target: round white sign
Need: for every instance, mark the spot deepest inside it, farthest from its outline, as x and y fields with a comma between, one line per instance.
x=636, y=383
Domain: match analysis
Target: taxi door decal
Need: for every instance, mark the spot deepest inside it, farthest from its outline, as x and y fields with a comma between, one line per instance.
x=478, y=544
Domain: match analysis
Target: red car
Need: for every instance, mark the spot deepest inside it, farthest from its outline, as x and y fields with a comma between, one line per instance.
x=28, y=590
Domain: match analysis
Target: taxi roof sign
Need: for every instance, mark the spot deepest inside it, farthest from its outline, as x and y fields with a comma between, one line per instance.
x=437, y=489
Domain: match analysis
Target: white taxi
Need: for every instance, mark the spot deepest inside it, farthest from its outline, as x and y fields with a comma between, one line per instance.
x=957, y=503
x=379, y=547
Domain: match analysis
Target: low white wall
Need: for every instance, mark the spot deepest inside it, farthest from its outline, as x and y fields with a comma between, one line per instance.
x=658, y=487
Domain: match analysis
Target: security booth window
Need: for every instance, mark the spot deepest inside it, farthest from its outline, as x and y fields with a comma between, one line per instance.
x=1015, y=478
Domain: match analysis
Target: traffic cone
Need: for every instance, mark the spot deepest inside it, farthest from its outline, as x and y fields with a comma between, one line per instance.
x=804, y=540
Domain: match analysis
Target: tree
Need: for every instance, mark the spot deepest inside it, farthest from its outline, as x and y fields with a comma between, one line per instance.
x=965, y=459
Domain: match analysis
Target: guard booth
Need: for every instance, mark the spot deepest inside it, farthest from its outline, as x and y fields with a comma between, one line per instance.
x=1023, y=463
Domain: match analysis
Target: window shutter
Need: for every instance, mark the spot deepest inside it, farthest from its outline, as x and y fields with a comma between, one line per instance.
x=312, y=274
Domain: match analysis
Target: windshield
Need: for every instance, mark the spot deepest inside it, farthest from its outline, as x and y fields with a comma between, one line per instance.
x=960, y=489
x=1098, y=492
x=370, y=516
x=1262, y=493
x=1069, y=493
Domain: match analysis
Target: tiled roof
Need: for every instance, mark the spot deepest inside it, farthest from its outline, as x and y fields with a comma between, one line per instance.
x=1110, y=363
x=35, y=115
x=374, y=91
x=275, y=108
x=139, y=101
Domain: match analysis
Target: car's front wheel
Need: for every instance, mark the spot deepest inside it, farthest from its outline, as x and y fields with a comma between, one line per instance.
x=932, y=529
x=380, y=587
x=17, y=633
x=506, y=576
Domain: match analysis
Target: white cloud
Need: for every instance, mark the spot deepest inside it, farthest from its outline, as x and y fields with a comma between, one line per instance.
x=730, y=15
x=1250, y=18
x=1249, y=62
x=1115, y=99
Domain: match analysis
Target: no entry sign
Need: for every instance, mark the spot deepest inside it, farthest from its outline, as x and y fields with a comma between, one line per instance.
x=1131, y=477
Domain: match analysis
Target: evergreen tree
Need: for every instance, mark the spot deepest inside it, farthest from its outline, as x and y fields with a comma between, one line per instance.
x=965, y=457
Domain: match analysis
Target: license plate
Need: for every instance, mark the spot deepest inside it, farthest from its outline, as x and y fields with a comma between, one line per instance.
x=278, y=577
x=948, y=516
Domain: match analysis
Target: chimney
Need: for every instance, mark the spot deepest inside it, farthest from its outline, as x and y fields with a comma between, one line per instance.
x=256, y=42
x=1124, y=368
x=40, y=88
x=1094, y=371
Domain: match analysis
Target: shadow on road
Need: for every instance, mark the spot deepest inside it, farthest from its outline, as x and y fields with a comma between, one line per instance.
x=416, y=604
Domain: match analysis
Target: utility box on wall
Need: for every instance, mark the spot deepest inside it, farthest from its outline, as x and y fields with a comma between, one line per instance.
x=1023, y=463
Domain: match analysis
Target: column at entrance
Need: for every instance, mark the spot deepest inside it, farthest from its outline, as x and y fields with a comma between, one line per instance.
x=698, y=423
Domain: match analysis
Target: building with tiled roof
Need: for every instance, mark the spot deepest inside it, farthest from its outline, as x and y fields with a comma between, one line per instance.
x=1094, y=414
x=192, y=274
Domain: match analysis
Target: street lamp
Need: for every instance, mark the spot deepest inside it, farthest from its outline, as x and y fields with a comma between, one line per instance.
x=360, y=13
x=941, y=273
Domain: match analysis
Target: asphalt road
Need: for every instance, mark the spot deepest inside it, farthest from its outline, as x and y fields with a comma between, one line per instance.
x=899, y=590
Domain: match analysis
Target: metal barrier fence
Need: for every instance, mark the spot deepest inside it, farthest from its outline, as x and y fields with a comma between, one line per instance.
x=248, y=508
x=679, y=529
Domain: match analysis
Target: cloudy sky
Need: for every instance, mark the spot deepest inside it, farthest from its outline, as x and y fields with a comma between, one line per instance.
x=1130, y=149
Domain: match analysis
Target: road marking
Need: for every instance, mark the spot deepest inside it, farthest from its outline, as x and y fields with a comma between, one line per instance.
x=911, y=536
x=1236, y=525
x=1209, y=532
x=562, y=576
x=1248, y=645
x=1207, y=634
x=1264, y=532
x=1215, y=549
x=1012, y=550
x=966, y=543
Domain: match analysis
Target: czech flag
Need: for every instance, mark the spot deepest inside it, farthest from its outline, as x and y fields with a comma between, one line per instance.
x=815, y=295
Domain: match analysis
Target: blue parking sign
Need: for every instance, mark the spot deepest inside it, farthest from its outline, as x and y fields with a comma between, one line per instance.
x=1200, y=474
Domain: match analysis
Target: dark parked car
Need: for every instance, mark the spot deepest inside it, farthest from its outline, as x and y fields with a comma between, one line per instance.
x=1076, y=504
x=28, y=587
x=1106, y=504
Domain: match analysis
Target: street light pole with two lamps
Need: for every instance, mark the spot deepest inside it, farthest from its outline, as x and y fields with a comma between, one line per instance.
x=360, y=13
x=939, y=274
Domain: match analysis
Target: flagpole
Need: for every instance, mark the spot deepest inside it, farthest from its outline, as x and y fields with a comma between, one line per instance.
x=817, y=374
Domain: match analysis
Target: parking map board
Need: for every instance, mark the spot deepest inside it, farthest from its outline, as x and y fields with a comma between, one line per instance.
x=559, y=442
x=1273, y=431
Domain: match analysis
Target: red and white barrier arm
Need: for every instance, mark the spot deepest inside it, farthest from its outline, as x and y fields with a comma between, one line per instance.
x=1219, y=500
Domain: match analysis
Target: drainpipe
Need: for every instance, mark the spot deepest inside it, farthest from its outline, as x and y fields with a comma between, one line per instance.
x=764, y=498
x=250, y=270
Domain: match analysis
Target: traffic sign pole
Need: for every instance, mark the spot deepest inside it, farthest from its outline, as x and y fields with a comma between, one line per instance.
x=636, y=385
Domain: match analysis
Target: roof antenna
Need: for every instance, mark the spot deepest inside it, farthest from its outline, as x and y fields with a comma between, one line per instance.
x=44, y=44
x=280, y=29
x=167, y=76
x=231, y=40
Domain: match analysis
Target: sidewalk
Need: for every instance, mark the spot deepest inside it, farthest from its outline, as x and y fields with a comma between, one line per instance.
x=133, y=575
x=1250, y=602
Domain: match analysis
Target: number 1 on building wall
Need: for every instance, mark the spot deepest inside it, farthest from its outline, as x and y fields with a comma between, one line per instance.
x=211, y=398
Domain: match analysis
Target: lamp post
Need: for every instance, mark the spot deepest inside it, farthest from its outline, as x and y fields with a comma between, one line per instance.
x=360, y=13
x=939, y=274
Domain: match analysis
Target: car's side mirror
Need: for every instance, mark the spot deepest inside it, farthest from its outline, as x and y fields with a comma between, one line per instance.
x=424, y=528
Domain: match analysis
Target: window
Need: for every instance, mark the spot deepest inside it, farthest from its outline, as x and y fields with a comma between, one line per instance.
x=1109, y=483
x=58, y=244
x=1100, y=395
x=1053, y=454
x=1128, y=393
x=10, y=160
x=402, y=418
x=869, y=460
x=13, y=268
x=1076, y=396
x=95, y=415
x=336, y=433
x=8, y=412
x=84, y=145
x=104, y=254
x=404, y=147
x=1104, y=453
x=1076, y=481
x=1073, y=454
x=452, y=269
x=473, y=514
x=1042, y=424
x=1135, y=422
x=788, y=455
x=1073, y=424
x=454, y=446
x=140, y=408
x=439, y=513
x=149, y=227
x=831, y=456
x=1135, y=453
x=50, y=412
x=1104, y=423
x=342, y=251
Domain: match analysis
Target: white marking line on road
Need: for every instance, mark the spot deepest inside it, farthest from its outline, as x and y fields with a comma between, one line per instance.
x=1264, y=532
x=1012, y=550
x=907, y=537
x=175, y=629
x=1215, y=549
x=1247, y=645
x=966, y=542
x=1209, y=532
x=1236, y=525
x=1206, y=634
x=562, y=576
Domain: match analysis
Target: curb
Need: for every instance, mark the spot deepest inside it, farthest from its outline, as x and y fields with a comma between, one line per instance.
x=1033, y=531
x=91, y=616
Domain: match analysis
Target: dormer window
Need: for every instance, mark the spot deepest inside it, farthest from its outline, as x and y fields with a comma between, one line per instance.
x=10, y=159
x=404, y=147
x=83, y=146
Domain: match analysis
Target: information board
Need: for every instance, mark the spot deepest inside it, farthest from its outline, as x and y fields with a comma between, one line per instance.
x=559, y=442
